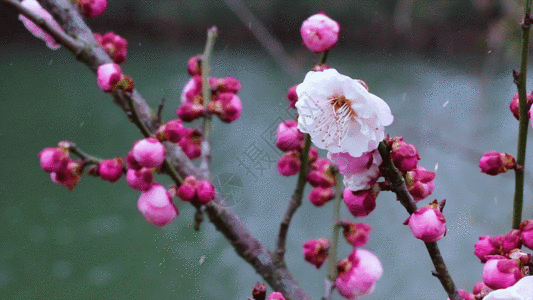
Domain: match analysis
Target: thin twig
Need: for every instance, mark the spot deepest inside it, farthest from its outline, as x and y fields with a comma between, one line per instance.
x=294, y=203
x=400, y=189
x=333, y=248
x=206, y=95
x=520, y=80
x=160, y=111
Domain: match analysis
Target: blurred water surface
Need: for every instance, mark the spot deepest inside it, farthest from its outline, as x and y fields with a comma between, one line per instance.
x=92, y=243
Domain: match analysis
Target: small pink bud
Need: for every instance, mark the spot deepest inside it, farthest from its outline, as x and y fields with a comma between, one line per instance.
x=484, y=247
x=316, y=251
x=191, y=142
x=192, y=92
x=500, y=272
x=494, y=163
x=320, y=33
x=321, y=195
x=259, y=291
x=276, y=296
x=149, y=153
x=141, y=179
x=427, y=223
x=358, y=274
x=514, y=106
x=289, y=164
x=288, y=136
x=321, y=173
x=131, y=163
x=108, y=76
x=360, y=203
x=53, y=159
x=156, y=205
x=225, y=85
x=510, y=241
x=205, y=192
x=292, y=96
x=356, y=234
x=69, y=175
x=481, y=290
x=194, y=66
x=227, y=106
x=92, y=8
x=189, y=112
x=313, y=155
x=111, y=169
x=404, y=156
x=37, y=31
x=526, y=236
x=187, y=191
x=420, y=183
x=172, y=131
x=114, y=45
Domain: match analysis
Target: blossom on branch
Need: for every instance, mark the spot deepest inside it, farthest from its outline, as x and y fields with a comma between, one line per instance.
x=357, y=275
x=320, y=33
x=114, y=45
x=92, y=8
x=156, y=205
x=340, y=114
x=37, y=31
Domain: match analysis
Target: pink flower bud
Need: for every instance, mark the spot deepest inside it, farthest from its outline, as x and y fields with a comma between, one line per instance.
x=360, y=203
x=514, y=106
x=320, y=33
x=292, y=96
x=53, y=159
x=316, y=251
x=356, y=234
x=172, y=131
x=205, y=192
x=427, y=223
x=187, y=191
x=131, y=163
x=149, y=152
x=313, y=155
x=227, y=106
x=481, y=290
x=37, y=31
x=259, y=291
x=321, y=195
x=321, y=173
x=526, y=236
x=494, y=163
x=111, y=169
x=141, y=179
x=500, y=272
x=156, y=205
x=114, y=45
x=192, y=92
x=69, y=175
x=484, y=247
x=225, y=85
x=420, y=183
x=194, y=66
x=108, y=76
x=360, y=173
x=465, y=295
x=191, y=142
x=404, y=156
x=358, y=274
x=276, y=296
x=92, y=8
x=510, y=241
x=189, y=112
x=288, y=136
x=289, y=164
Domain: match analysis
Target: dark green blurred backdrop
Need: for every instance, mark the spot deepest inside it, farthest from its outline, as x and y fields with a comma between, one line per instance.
x=443, y=67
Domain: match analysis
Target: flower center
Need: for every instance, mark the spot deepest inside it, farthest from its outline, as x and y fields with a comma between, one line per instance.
x=343, y=108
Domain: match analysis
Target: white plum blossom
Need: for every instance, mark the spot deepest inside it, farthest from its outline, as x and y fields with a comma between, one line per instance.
x=522, y=290
x=340, y=114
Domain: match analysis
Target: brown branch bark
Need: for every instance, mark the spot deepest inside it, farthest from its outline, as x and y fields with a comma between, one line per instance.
x=80, y=41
